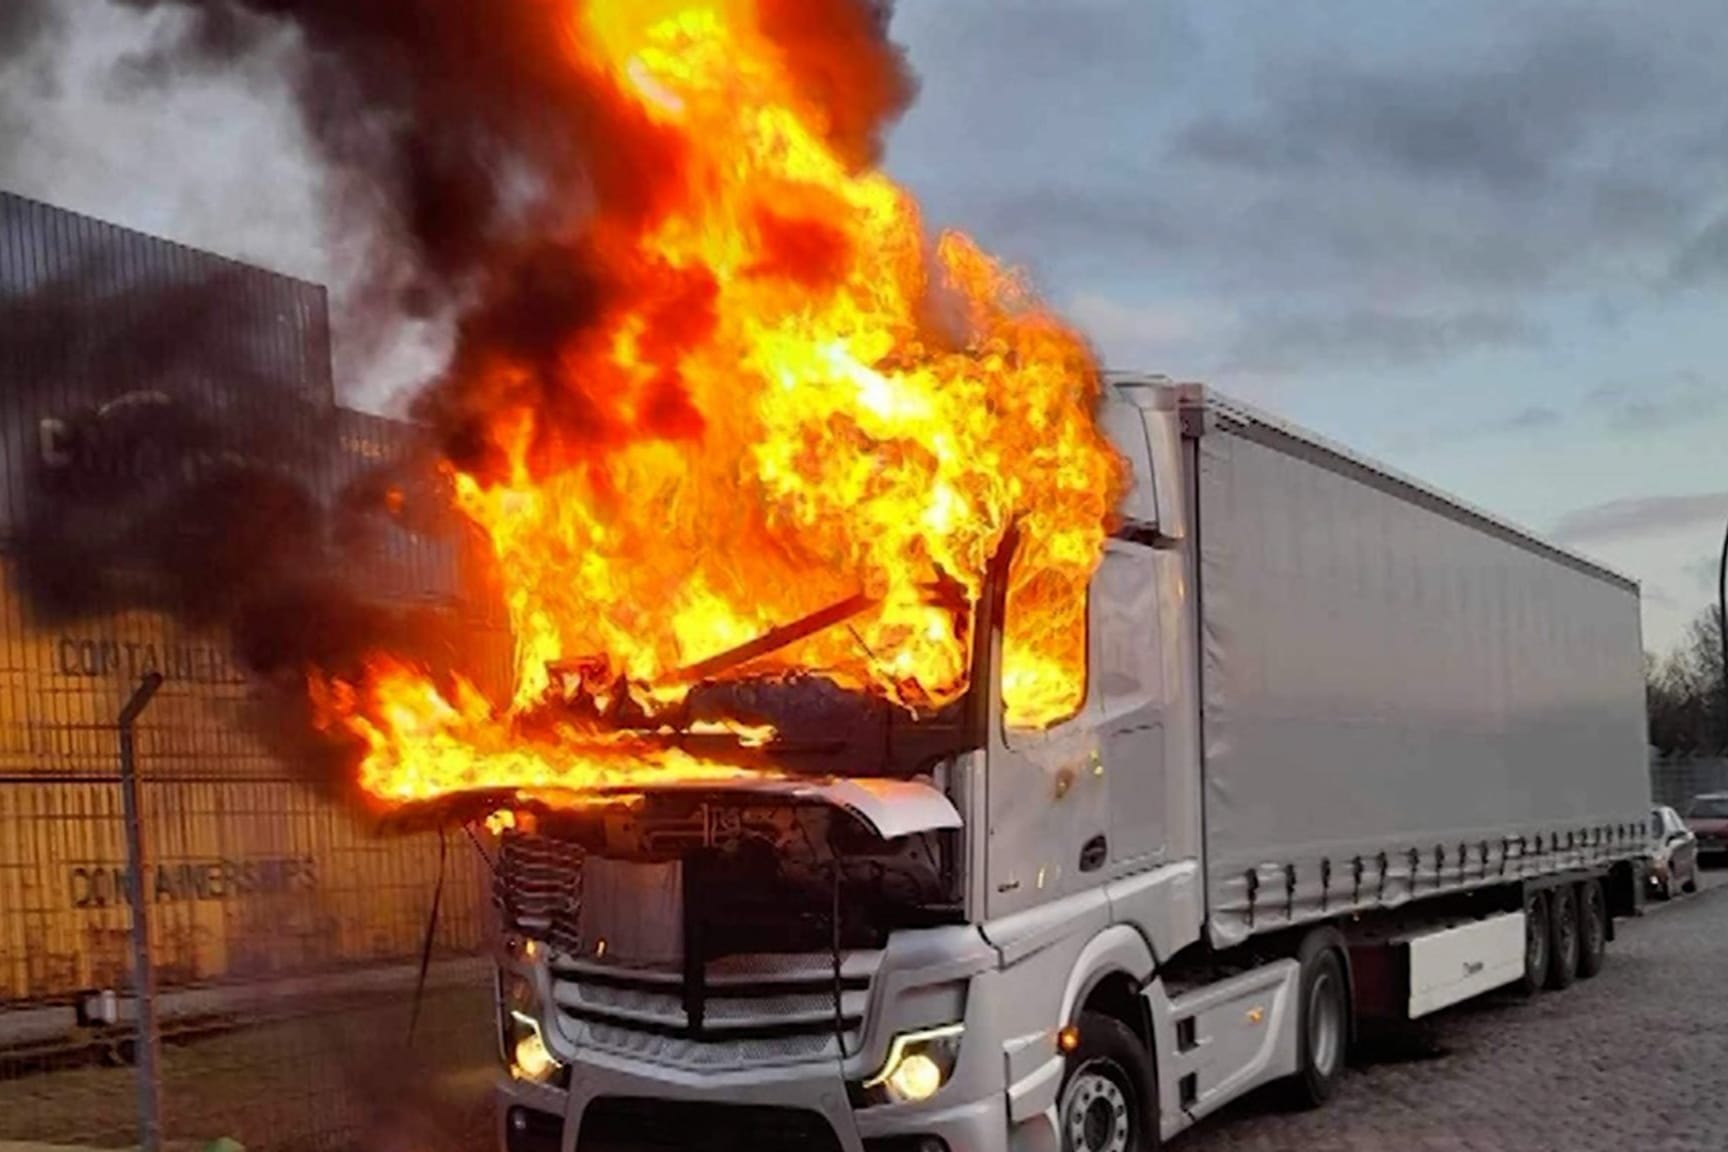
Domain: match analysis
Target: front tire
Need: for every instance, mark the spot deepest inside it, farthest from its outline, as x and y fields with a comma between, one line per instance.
x=1564, y=942
x=1592, y=928
x=1107, y=1102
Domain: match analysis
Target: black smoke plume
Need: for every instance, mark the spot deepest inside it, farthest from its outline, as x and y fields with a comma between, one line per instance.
x=467, y=131
x=495, y=170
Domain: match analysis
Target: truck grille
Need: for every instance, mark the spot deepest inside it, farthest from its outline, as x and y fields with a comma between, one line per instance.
x=754, y=1010
x=622, y=1124
x=538, y=889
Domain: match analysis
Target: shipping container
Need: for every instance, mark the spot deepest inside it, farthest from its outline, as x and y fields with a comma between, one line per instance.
x=251, y=872
x=96, y=318
x=128, y=365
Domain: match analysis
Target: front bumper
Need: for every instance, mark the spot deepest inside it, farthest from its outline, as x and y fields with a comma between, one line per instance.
x=615, y=1104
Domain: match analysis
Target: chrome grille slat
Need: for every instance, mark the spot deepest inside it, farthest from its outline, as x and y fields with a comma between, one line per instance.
x=537, y=885
x=756, y=1010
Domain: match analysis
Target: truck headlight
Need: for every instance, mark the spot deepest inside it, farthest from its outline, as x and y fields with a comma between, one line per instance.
x=530, y=1058
x=918, y=1065
x=524, y=1046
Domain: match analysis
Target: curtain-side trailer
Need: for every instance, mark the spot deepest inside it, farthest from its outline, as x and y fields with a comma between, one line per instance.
x=1350, y=750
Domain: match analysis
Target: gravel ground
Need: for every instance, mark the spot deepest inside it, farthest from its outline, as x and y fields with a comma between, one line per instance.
x=339, y=1078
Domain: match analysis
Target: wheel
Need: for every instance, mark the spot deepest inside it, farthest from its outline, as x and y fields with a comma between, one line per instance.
x=1107, y=1090
x=1665, y=890
x=1691, y=884
x=1592, y=928
x=1322, y=1019
x=1563, y=944
x=1535, y=943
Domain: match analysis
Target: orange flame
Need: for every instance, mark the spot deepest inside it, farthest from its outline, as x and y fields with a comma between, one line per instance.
x=803, y=401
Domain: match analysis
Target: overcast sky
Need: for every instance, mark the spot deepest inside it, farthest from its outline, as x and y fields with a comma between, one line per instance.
x=1486, y=241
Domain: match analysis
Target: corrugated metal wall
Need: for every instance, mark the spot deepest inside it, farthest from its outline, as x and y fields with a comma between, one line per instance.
x=251, y=873
x=92, y=313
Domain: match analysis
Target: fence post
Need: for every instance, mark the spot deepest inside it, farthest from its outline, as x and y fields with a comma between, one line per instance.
x=1722, y=632
x=143, y=972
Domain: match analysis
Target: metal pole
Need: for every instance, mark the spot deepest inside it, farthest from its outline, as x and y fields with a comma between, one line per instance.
x=1722, y=625
x=143, y=973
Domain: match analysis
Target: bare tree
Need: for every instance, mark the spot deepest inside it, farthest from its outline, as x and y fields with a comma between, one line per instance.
x=1688, y=713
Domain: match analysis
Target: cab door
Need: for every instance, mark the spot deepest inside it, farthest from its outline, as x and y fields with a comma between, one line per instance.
x=1128, y=680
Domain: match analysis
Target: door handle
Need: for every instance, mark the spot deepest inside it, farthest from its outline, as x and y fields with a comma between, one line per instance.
x=1093, y=855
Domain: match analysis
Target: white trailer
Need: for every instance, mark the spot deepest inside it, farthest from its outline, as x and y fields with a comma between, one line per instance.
x=1350, y=751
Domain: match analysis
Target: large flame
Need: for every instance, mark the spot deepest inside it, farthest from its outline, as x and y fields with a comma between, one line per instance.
x=791, y=399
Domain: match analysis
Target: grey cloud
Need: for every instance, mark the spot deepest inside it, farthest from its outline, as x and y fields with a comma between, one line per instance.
x=1642, y=516
x=1656, y=594
x=1537, y=148
x=1706, y=571
x=1663, y=402
x=23, y=24
x=1703, y=259
x=1367, y=337
x=1505, y=124
x=1531, y=420
x=1536, y=418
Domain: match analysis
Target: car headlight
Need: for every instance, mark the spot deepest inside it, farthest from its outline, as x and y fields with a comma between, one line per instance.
x=525, y=1050
x=918, y=1065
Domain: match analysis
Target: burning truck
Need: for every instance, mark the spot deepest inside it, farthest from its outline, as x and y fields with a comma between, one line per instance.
x=920, y=740
x=1348, y=753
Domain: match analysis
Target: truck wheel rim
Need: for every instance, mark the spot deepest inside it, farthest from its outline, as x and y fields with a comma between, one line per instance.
x=1325, y=1025
x=1097, y=1114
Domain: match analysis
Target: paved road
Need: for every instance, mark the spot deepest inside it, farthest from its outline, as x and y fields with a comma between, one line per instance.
x=1635, y=1059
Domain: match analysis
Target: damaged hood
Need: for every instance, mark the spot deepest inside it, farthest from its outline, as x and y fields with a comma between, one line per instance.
x=891, y=808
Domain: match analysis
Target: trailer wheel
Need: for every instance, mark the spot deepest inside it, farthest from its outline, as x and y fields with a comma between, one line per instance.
x=1563, y=947
x=1592, y=928
x=1536, y=950
x=1322, y=1019
x=1107, y=1102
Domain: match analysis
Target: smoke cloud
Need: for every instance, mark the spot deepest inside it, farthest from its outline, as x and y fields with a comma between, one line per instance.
x=473, y=172
x=22, y=24
x=486, y=164
x=175, y=464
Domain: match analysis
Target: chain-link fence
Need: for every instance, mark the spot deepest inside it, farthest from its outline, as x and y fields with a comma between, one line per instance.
x=285, y=937
x=1675, y=782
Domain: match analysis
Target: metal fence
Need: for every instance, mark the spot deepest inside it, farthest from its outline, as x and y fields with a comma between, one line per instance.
x=286, y=932
x=1675, y=782
x=284, y=944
